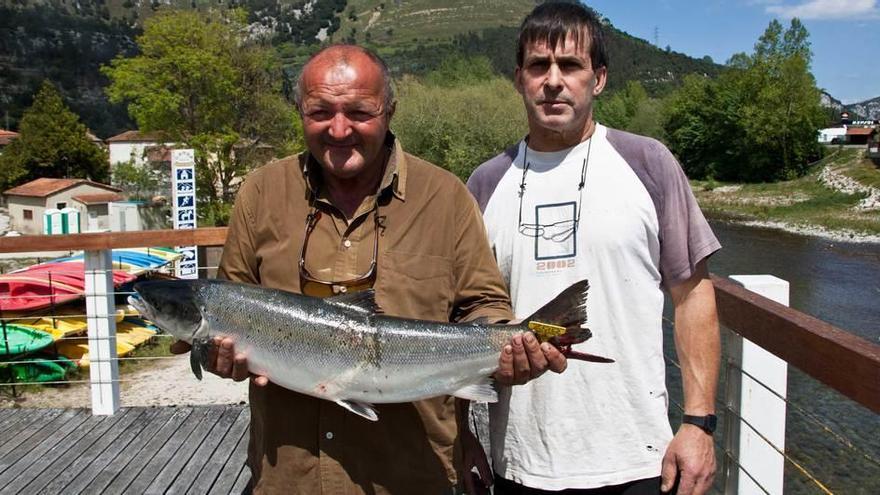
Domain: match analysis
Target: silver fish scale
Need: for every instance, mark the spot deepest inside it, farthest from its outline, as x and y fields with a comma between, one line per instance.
x=313, y=346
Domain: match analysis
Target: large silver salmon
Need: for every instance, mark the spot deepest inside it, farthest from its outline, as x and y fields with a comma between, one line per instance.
x=342, y=348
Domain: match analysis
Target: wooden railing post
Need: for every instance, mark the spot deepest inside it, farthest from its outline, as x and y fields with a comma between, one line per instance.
x=750, y=373
x=101, y=318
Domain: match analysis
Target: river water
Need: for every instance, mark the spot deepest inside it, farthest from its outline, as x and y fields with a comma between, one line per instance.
x=829, y=436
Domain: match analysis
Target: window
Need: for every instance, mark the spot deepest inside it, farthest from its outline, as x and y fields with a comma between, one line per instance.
x=28, y=214
x=61, y=205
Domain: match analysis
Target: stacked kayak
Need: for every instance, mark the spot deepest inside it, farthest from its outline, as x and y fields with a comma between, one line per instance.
x=62, y=280
x=131, y=332
x=41, y=347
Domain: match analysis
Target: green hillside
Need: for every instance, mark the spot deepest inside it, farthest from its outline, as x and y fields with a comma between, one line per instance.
x=400, y=24
x=66, y=42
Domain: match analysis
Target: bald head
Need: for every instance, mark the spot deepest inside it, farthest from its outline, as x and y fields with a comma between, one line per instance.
x=343, y=63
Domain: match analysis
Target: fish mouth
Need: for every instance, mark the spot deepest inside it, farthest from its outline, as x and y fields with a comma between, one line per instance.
x=137, y=303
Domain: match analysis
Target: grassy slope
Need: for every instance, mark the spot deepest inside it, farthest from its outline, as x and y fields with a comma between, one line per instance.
x=427, y=20
x=804, y=201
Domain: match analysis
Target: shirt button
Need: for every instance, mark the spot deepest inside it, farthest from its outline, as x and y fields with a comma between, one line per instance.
x=346, y=243
x=343, y=289
x=329, y=435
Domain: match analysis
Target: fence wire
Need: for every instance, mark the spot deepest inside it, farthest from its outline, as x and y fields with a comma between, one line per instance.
x=730, y=364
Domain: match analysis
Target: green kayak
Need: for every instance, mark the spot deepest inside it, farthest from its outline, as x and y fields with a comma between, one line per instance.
x=41, y=369
x=16, y=339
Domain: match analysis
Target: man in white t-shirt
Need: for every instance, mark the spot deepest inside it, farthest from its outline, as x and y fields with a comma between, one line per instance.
x=578, y=200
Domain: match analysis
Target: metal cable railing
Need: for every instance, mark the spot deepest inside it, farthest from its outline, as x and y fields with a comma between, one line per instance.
x=793, y=407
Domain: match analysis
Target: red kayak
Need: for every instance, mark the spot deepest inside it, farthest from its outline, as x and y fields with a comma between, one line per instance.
x=47, y=284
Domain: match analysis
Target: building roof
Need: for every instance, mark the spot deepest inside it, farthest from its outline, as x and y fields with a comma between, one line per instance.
x=7, y=136
x=98, y=199
x=43, y=187
x=91, y=137
x=136, y=137
x=860, y=131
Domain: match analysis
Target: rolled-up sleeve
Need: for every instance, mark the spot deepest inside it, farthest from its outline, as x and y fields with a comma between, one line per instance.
x=479, y=289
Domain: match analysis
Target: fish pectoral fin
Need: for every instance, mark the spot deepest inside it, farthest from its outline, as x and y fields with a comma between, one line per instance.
x=362, y=409
x=478, y=392
x=363, y=302
x=198, y=356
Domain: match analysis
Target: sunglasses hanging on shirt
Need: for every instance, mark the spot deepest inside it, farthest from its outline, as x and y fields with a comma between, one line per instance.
x=555, y=231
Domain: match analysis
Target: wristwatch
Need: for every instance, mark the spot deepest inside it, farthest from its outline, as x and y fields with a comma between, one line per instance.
x=707, y=423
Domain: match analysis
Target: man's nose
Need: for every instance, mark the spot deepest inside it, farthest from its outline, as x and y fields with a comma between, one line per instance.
x=340, y=126
x=554, y=78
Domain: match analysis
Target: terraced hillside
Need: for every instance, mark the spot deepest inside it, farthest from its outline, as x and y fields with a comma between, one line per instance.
x=399, y=24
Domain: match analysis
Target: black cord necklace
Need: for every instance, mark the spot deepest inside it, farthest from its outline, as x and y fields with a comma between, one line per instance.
x=538, y=229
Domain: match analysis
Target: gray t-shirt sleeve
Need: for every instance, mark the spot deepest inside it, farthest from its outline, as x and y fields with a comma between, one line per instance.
x=685, y=235
x=485, y=178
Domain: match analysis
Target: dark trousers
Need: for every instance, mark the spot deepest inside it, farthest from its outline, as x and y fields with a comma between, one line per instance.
x=650, y=486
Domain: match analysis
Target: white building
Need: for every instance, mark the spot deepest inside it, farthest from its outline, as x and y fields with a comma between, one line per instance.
x=132, y=146
x=832, y=135
x=28, y=202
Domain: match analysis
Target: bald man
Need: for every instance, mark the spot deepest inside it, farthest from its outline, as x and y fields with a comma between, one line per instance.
x=355, y=211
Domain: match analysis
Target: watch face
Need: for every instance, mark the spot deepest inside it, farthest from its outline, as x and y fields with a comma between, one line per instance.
x=711, y=423
x=708, y=423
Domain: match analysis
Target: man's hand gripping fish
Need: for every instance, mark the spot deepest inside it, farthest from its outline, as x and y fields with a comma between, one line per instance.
x=343, y=349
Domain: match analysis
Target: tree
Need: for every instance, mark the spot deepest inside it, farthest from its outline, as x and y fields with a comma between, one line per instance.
x=459, y=127
x=140, y=182
x=52, y=143
x=632, y=110
x=203, y=83
x=758, y=121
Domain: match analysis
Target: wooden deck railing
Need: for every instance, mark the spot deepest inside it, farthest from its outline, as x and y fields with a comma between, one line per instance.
x=837, y=358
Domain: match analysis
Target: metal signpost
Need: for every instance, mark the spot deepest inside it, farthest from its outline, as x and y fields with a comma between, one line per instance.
x=183, y=185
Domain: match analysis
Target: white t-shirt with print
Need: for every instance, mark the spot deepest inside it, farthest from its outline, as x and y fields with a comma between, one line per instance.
x=633, y=228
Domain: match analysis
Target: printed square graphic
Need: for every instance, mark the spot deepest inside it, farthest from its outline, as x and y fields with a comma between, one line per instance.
x=188, y=269
x=556, y=226
x=184, y=174
x=185, y=201
x=185, y=187
x=188, y=215
x=186, y=225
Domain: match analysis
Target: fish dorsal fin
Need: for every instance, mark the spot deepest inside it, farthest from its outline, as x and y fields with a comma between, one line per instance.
x=482, y=391
x=363, y=302
x=362, y=409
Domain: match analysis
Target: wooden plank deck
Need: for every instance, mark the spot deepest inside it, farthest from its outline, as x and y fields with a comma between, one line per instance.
x=138, y=450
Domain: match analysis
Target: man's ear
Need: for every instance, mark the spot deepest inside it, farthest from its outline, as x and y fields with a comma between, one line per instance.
x=391, y=109
x=601, y=75
x=517, y=80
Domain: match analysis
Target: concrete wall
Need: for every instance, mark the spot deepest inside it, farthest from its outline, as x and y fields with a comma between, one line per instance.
x=17, y=205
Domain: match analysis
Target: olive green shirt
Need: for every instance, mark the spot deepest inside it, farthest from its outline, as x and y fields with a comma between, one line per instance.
x=434, y=263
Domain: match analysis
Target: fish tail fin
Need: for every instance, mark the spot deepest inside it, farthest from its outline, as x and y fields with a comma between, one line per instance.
x=561, y=322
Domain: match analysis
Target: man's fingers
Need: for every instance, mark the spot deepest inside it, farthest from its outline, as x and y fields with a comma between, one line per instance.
x=504, y=374
x=225, y=357
x=179, y=347
x=261, y=381
x=521, y=372
x=537, y=361
x=556, y=361
x=668, y=473
x=240, y=368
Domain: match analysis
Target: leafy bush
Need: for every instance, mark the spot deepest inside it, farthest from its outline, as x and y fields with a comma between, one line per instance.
x=458, y=127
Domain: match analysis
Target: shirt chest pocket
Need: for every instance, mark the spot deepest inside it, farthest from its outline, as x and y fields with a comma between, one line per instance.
x=415, y=285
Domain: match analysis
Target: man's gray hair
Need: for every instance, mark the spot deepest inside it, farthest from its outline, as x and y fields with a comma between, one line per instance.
x=343, y=60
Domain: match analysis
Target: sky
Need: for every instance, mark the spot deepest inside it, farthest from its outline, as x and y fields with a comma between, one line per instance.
x=844, y=34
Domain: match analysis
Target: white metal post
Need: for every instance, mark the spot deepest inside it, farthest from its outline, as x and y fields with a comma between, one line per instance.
x=101, y=317
x=761, y=408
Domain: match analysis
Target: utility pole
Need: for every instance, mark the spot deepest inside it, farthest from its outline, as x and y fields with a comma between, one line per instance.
x=656, y=36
